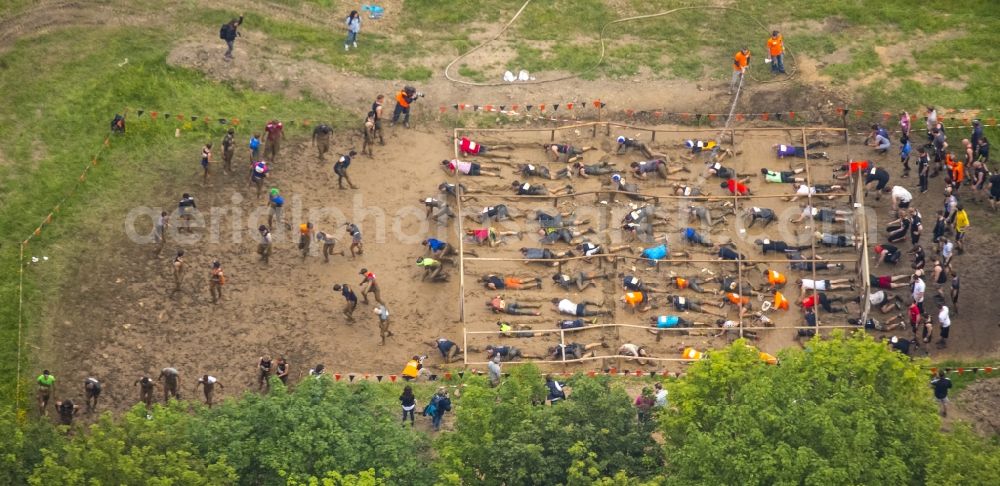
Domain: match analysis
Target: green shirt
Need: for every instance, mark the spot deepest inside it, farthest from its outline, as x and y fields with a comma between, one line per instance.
x=46, y=380
x=428, y=262
x=772, y=176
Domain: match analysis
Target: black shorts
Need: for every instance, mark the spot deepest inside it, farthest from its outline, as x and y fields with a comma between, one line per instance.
x=995, y=193
x=959, y=235
x=789, y=176
x=882, y=181
x=945, y=331
x=826, y=216
x=475, y=170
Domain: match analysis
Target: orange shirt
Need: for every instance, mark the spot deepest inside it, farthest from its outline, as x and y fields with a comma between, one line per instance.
x=775, y=278
x=780, y=302
x=401, y=99
x=958, y=171
x=681, y=283
x=949, y=161
x=741, y=60
x=736, y=299
x=634, y=298
x=775, y=45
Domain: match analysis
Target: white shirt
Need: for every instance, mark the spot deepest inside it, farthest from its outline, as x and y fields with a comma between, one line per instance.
x=805, y=190
x=629, y=349
x=943, y=317
x=901, y=194
x=946, y=250
x=567, y=306
x=661, y=398
x=809, y=284
x=210, y=381
x=918, y=290
x=876, y=298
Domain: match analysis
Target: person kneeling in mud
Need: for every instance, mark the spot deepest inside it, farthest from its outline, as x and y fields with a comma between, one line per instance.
x=573, y=351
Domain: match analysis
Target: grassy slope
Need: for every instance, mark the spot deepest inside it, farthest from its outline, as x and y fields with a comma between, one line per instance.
x=57, y=121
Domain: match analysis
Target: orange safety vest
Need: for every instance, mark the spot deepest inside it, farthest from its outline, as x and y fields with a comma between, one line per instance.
x=958, y=171
x=681, y=283
x=780, y=302
x=634, y=298
x=736, y=299
x=401, y=99
x=775, y=278
x=303, y=229
x=411, y=368
x=692, y=354
x=775, y=45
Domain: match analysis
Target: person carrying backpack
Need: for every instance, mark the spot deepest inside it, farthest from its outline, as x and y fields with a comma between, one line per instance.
x=438, y=405
x=228, y=33
x=353, y=27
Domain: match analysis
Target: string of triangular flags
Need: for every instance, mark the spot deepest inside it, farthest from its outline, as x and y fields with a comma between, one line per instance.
x=962, y=370
x=163, y=115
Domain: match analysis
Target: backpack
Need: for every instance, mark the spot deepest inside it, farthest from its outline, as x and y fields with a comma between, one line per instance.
x=224, y=31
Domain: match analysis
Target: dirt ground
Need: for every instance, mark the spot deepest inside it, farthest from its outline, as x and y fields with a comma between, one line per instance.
x=977, y=404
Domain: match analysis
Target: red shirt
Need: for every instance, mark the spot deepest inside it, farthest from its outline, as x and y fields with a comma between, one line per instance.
x=274, y=130
x=809, y=302
x=858, y=165
x=736, y=187
x=469, y=147
x=914, y=313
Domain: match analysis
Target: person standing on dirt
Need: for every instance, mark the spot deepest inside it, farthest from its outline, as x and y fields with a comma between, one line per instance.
x=146, y=387
x=179, y=268
x=229, y=34
x=228, y=150
x=369, y=286
x=321, y=139
x=355, y=233
x=171, y=383
x=404, y=99
x=266, y=243
x=383, y=323
x=186, y=207
x=91, y=390
x=160, y=232
x=257, y=174
x=46, y=383
x=264, y=374
x=277, y=204
x=275, y=132
x=340, y=168
x=369, y=132
x=353, y=27
x=254, y=147
x=281, y=370
x=305, y=238
x=206, y=158
x=350, y=300
x=216, y=280
x=776, y=51
x=329, y=243
x=377, y=111
x=740, y=62
x=209, y=382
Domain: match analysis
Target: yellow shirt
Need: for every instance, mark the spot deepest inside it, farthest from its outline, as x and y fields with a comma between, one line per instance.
x=961, y=221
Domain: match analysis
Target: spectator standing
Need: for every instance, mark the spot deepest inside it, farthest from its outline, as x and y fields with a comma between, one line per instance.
x=776, y=50
x=439, y=405
x=408, y=402
x=644, y=405
x=494, y=369
x=353, y=27
x=944, y=319
x=661, y=396
x=229, y=34
x=740, y=62
x=941, y=385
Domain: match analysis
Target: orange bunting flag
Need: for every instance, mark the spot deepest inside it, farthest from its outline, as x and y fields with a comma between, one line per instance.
x=569, y=106
x=613, y=371
x=840, y=111
x=447, y=375
x=597, y=103
x=180, y=117
x=765, y=116
x=711, y=117
x=658, y=114
x=38, y=231
x=443, y=109
x=235, y=121
x=541, y=107
x=739, y=117
x=488, y=108
x=513, y=107
x=859, y=113
x=153, y=114
x=630, y=112
x=791, y=115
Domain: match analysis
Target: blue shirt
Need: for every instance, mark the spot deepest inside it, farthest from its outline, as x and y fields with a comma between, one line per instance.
x=278, y=201
x=655, y=253
x=667, y=321
x=435, y=245
x=254, y=143
x=690, y=234
x=904, y=151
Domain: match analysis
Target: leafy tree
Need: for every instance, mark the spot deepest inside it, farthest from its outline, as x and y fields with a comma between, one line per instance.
x=23, y=443
x=134, y=450
x=963, y=458
x=322, y=427
x=505, y=435
x=842, y=411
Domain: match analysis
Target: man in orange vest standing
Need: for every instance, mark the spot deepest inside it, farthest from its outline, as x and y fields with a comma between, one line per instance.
x=404, y=99
x=776, y=51
x=740, y=62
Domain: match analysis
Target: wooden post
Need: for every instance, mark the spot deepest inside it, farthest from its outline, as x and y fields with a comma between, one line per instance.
x=654, y=136
x=552, y=138
x=813, y=224
x=461, y=238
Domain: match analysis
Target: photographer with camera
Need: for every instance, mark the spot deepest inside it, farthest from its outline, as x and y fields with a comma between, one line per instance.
x=404, y=98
